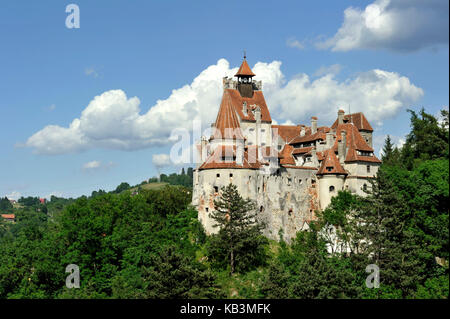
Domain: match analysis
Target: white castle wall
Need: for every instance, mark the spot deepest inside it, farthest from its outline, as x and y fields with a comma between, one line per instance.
x=282, y=201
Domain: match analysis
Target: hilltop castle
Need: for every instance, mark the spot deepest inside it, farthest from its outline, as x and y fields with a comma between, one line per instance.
x=290, y=171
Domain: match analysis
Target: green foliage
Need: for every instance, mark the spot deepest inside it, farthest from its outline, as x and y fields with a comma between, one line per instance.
x=150, y=244
x=239, y=242
x=5, y=205
x=122, y=187
x=427, y=140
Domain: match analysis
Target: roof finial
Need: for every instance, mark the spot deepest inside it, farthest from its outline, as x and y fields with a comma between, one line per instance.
x=245, y=54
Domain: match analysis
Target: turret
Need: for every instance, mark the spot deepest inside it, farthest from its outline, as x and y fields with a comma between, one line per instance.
x=245, y=75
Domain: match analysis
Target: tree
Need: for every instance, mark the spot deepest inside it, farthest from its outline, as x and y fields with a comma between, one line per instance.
x=391, y=154
x=239, y=239
x=390, y=242
x=122, y=187
x=5, y=205
x=427, y=139
x=174, y=275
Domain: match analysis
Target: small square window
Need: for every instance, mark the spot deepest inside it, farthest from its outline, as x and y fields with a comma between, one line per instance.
x=231, y=174
x=207, y=209
x=217, y=175
x=216, y=189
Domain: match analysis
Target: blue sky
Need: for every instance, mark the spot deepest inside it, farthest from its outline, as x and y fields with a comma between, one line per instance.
x=380, y=57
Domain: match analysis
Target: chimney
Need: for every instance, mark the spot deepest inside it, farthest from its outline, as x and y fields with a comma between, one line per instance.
x=341, y=151
x=342, y=147
x=344, y=141
x=329, y=140
x=314, y=159
x=313, y=125
x=341, y=116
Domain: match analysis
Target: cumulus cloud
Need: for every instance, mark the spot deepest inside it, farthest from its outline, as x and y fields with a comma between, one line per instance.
x=294, y=43
x=114, y=121
x=14, y=195
x=96, y=165
x=398, y=25
x=332, y=69
x=161, y=160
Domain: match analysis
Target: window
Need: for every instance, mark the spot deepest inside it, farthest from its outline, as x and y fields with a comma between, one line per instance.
x=329, y=168
x=263, y=144
x=331, y=188
x=261, y=209
x=217, y=175
x=368, y=168
x=207, y=209
x=216, y=189
x=231, y=174
x=365, y=187
x=263, y=130
x=279, y=147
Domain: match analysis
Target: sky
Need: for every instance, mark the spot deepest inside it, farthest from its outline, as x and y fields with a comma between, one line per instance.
x=87, y=108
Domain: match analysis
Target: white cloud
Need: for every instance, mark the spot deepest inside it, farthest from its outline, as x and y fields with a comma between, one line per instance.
x=399, y=25
x=379, y=94
x=294, y=43
x=96, y=165
x=161, y=160
x=14, y=195
x=114, y=121
x=332, y=69
x=91, y=72
x=91, y=165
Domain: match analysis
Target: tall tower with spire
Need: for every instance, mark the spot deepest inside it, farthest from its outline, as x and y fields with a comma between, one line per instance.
x=245, y=84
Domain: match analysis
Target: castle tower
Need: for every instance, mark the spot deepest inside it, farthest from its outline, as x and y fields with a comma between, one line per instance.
x=245, y=75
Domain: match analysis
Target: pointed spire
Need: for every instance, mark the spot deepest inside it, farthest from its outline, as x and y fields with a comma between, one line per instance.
x=245, y=70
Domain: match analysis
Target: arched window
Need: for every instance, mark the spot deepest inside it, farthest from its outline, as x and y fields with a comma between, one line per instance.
x=331, y=188
x=365, y=187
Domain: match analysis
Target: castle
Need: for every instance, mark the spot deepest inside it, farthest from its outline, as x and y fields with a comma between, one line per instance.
x=289, y=171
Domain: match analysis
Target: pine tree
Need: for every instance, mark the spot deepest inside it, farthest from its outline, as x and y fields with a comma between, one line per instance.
x=388, y=149
x=389, y=242
x=239, y=238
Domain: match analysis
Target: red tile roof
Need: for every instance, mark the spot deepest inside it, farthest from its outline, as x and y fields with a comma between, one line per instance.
x=8, y=216
x=308, y=137
x=358, y=119
x=257, y=99
x=244, y=70
x=302, y=150
x=287, y=158
x=288, y=132
x=355, y=143
x=227, y=122
x=331, y=165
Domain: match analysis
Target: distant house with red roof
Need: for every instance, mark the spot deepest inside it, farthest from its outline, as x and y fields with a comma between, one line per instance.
x=290, y=171
x=9, y=217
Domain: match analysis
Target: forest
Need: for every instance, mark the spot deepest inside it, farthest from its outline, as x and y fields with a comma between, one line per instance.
x=149, y=243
